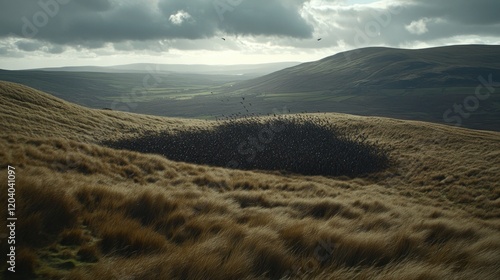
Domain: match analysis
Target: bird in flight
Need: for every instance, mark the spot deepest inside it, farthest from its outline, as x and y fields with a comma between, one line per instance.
x=223, y=38
x=319, y=39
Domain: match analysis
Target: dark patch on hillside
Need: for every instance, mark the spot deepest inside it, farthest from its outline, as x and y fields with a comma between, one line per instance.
x=301, y=144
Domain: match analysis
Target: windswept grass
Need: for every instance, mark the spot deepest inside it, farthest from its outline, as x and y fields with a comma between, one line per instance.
x=90, y=212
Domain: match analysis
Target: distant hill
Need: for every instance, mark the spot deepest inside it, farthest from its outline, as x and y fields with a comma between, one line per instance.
x=248, y=70
x=421, y=84
x=385, y=68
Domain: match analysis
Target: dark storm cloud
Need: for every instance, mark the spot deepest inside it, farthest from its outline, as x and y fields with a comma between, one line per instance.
x=95, y=22
x=406, y=21
x=28, y=46
x=96, y=5
x=467, y=12
x=56, y=49
x=139, y=25
x=448, y=18
x=33, y=45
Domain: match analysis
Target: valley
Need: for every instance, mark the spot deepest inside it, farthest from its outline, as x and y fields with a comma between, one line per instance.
x=406, y=84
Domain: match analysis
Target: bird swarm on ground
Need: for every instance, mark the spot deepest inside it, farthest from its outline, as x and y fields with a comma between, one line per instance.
x=302, y=144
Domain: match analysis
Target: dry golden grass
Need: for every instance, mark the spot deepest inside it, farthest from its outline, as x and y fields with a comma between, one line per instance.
x=89, y=212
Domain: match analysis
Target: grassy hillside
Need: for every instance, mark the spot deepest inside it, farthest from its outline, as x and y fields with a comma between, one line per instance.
x=386, y=68
x=90, y=212
x=30, y=112
x=420, y=84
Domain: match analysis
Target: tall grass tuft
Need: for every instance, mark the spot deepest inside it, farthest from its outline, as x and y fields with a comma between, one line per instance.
x=46, y=212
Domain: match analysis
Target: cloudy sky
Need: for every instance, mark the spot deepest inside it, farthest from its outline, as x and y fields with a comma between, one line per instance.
x=45, y=33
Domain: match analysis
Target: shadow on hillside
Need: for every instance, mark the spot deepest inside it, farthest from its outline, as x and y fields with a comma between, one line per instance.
x=299, y=144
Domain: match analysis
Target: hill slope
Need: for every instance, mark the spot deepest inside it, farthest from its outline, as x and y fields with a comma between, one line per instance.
x=386, y=68
x=420, y=84
x=89, y=212
x=29, y=112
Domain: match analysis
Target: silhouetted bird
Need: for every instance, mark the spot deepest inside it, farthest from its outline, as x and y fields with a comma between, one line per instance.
x=223, y=39
x=319, y=39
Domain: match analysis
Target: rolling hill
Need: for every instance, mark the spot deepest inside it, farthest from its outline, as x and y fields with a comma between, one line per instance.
x=86, y=211
x=420, y=84
x=385, y=68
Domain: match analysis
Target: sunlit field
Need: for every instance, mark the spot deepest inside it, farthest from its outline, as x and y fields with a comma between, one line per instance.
x=110, y=195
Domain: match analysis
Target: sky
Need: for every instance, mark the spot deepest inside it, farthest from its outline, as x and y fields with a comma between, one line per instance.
x=51, y=33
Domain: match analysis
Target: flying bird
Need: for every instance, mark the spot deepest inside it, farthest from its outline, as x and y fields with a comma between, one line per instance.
x=223, y=39
x=319, y=39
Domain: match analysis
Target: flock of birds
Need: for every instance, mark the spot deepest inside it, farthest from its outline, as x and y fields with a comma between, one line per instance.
x=302, y=144
x=245, y=111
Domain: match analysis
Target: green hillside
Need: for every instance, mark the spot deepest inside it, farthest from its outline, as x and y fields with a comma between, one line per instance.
x=385, y=68
x=422, y=84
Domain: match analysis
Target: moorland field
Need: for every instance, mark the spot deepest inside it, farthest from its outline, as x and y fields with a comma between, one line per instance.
x=91, y=203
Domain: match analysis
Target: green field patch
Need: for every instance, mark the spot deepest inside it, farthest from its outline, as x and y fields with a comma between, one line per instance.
x=340, y=98
x=296, y=96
